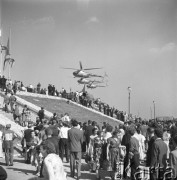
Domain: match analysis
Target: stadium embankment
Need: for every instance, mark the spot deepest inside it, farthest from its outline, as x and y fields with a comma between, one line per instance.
x=4, y=119
x=48, y=114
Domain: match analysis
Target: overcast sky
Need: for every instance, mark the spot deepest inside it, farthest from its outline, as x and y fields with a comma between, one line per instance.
x=135, y=41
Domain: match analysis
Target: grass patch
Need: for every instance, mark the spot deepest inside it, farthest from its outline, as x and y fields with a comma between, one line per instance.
x=61, y=107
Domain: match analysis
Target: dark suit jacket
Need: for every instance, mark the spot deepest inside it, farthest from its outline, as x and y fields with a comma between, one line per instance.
x=75, y=139
x=54, y=141
x=159, y=153
x=149, y=151
x=88, y=133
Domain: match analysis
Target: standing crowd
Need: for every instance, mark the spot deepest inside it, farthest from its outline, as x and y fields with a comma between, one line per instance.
x=133, y=150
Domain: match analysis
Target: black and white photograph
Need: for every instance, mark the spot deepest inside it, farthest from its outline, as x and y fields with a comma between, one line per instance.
x=88, y=89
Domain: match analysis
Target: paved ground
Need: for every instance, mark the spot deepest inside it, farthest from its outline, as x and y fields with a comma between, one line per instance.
x=22, y=171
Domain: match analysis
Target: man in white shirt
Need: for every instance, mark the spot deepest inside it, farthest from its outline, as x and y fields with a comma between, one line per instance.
x=64, y=140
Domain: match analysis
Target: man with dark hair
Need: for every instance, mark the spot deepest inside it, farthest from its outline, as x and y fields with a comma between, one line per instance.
x=88, y=132
x=75, y=140
x=151, y=137
x=26, y=142
x=52, y=139
x=54, y=128
x=159, y=154
x=41, y=114
x=133, y=152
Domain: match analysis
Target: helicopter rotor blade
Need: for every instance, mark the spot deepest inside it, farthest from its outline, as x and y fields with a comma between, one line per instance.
x=80, y=65
x=68, y=68
x=101, y=86
x=91, y=68
x=94, y=75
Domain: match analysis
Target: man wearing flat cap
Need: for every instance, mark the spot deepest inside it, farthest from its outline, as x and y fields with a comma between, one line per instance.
x=8, y=137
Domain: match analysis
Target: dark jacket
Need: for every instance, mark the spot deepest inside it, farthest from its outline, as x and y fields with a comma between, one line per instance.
x=149, y=151
x=75, y=139
x=159, y=153
x=41, y=114
x=54, y=141
x=88, y=133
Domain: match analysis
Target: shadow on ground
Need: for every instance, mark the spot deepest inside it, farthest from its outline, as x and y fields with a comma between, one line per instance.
x=19, y=160
x=24, y=171
x=17, y=149
x=2, y=164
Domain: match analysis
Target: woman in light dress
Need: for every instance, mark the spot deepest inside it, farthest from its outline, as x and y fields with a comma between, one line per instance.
x=53, y=168
x=91, y=143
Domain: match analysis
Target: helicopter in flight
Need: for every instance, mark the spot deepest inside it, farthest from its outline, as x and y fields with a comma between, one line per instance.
x=80, y=73
x=93, y=86
x=87, y=81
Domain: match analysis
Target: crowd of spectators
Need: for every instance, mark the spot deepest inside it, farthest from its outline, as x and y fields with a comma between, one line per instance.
x=135, y=149
x=151, y=143
x=83, y=98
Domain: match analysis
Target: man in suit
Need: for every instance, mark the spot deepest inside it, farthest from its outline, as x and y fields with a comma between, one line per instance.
x=88, y=132
x=52, y=139
x=41, y=114
x=26, y=142
x=152, y=138
x=75, y=140
x=158, y=155
x=173, y=159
